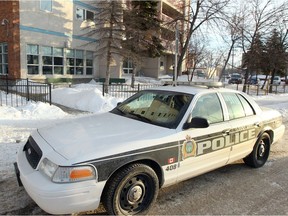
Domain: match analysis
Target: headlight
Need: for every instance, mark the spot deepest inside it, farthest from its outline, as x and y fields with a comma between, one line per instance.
x=74, y=174
x=63, y=174
x=48, y=168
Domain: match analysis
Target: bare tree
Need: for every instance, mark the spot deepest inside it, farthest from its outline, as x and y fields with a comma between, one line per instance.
x=201, y=12
x=260, y=16
x=196, y=55
x=213, y=63
x=276, y=56
x=233, y=25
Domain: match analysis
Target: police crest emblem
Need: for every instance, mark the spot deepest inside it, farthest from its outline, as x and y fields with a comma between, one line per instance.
x=189, y=148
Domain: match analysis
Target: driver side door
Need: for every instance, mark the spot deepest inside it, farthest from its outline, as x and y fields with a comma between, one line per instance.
x=203, y=149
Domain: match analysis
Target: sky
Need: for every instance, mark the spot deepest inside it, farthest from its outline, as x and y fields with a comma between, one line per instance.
x=17, y=123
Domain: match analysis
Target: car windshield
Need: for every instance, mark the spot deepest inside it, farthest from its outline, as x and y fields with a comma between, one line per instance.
x=236, y=76
x=161, y=108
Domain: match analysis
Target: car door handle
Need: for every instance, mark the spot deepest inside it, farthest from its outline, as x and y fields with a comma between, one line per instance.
x=226, y=132
x=257, y=124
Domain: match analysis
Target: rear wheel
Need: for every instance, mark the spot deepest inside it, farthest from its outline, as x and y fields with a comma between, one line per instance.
x=259, y=155
x=132, y=190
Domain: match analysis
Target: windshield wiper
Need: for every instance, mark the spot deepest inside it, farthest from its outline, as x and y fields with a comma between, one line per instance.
x=120, y=111
x=140, y=117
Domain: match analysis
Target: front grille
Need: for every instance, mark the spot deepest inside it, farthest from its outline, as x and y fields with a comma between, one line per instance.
x=33, y=152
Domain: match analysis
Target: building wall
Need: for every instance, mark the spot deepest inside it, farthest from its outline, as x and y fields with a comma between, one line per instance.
x=9, y=33
x=58, y=28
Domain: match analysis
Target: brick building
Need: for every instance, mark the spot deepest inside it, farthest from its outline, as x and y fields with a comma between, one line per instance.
x=46, y=39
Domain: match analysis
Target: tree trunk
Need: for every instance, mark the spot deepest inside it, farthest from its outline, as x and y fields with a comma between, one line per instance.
x=109, y=55
x=227, y=60
x=264, y=83
x=245, y=80
x=133, y=75
x=107, y=77
x=272, y=81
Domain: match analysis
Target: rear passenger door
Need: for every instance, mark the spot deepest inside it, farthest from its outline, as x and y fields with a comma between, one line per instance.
x=244, y=125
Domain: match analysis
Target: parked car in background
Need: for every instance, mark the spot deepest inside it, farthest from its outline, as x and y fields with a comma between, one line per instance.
x=235, y=79
x=254, y=80
x=200, y=74
x=284, y=79
x=277, y=80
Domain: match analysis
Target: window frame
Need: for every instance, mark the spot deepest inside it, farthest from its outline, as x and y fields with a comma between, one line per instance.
x=4, y=58
x=58, y=59
x=213, y=95
x=89, y=57
x=33, y=65
x=127, y=65
x=239, y=99
x=53, y=55
x=84, y=16
x=75, y=57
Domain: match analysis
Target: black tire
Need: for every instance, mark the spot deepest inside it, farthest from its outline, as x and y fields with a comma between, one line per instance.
x=132, y=190
x=259, y=155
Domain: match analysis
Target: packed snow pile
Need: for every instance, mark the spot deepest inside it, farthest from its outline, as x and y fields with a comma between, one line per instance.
x=86, y=97
x=32, y=111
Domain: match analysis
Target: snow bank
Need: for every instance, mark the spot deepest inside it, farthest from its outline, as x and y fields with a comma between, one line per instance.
x=33, y=111
x=86, y=97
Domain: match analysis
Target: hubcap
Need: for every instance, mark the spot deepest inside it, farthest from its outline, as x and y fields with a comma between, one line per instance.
x=135, y=194
x=261, y=150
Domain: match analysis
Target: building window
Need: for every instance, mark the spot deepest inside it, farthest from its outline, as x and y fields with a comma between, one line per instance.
x=46, y=5
x=3, y=58
x=83, y=14
x=127, y=66
x=47, y=60
x=89, y=63
x=52, y=59
x=75, y=62
x=33, y=59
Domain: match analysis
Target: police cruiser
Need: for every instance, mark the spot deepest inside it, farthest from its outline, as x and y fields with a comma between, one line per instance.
x=154, y=139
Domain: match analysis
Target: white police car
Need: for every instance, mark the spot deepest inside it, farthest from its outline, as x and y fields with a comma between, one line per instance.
x=156, y=138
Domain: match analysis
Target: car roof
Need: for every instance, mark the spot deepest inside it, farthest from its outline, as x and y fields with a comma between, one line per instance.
x=193, y=89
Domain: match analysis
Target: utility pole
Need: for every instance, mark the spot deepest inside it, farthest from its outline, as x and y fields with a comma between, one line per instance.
x=176, y=54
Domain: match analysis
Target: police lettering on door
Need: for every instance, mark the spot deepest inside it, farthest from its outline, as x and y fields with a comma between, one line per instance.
x=217, y=143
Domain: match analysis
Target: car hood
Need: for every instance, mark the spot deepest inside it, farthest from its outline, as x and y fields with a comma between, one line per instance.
x=101, y=135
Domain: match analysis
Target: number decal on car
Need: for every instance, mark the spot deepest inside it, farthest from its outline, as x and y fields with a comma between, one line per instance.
x=171, y=167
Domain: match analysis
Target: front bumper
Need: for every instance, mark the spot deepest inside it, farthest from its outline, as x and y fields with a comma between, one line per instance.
x=57, y=198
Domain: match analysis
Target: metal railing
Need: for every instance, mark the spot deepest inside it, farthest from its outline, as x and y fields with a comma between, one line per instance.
x=259, y=90
x=20, y=92
x=124, y=90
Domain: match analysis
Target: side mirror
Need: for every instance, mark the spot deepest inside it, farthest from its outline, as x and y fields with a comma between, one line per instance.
x=119, y=103
x=196, y=122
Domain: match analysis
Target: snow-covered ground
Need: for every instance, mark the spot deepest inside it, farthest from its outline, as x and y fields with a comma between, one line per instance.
x=17, y=123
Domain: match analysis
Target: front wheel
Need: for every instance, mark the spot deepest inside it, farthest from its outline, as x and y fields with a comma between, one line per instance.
x=132, y=190
x=259, y=155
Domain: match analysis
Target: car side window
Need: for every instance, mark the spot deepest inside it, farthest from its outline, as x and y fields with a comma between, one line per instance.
x=237, y=106
x=208, y=106
x=247, y=107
